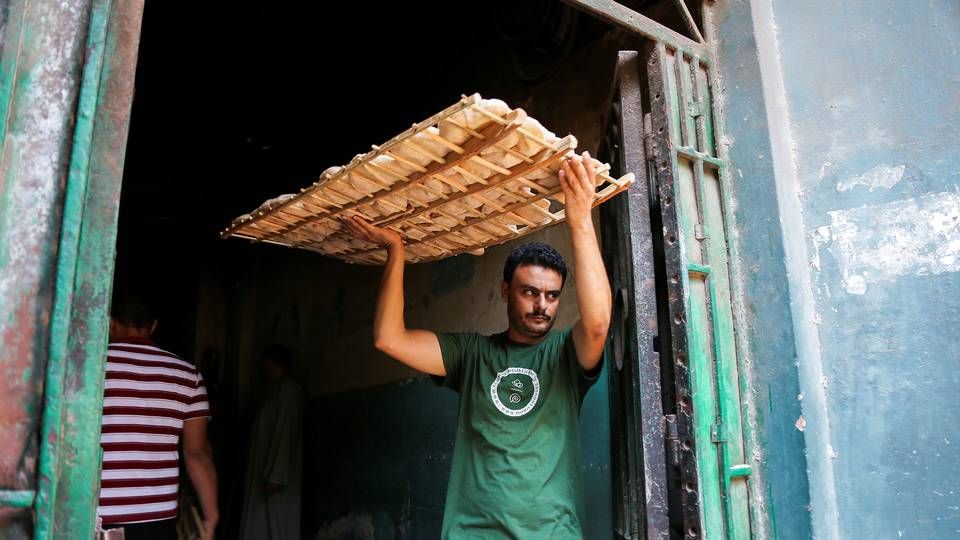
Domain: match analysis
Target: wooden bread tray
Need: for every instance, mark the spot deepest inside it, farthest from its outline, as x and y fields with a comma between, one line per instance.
x=474, y=175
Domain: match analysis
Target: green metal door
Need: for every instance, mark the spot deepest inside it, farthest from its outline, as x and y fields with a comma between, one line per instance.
x=66, y=86
x=709, y=442
x=709, y=477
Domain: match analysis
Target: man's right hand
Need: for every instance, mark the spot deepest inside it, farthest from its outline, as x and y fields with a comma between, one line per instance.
x=381, y=236
x=418, y=349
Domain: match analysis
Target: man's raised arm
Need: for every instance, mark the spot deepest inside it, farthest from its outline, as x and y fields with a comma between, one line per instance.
x=418, y=349
x=593, y=289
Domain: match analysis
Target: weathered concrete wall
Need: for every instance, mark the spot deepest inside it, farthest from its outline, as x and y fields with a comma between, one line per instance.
x=861, y=106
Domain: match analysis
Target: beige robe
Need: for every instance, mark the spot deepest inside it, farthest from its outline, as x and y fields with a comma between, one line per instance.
x=276, y=456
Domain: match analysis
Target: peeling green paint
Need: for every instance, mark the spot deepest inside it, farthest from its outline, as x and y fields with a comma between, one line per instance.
x=86, y=259
x=65, y=94
x=17, y=499
x=39, y=67
x=712, y=358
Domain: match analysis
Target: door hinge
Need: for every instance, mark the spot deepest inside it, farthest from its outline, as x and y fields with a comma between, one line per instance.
x=672, y=435
x=696, y=108
x=700, y=231
x=648, y=141
x=717, y=434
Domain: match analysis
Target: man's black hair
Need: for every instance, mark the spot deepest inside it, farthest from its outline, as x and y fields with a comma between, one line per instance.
x=132, y=308
x=537, y=254
x=279, y=355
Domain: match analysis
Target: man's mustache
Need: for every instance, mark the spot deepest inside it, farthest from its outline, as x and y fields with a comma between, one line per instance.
x=539, y=314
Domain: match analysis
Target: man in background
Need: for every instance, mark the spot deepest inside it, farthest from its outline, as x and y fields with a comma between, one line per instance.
x=271, y=507
x=152, y=401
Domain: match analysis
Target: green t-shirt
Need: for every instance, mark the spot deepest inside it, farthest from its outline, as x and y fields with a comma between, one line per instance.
x=516, y=459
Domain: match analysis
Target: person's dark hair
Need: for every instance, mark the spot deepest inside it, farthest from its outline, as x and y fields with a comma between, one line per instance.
x=132, y=308
x=537, y=254
x=279, y=355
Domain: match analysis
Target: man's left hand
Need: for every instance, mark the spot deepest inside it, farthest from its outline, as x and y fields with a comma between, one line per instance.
x=209, y=527
x=578, y=182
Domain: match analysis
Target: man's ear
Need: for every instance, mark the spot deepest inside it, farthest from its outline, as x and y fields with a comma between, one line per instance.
x=504, y=290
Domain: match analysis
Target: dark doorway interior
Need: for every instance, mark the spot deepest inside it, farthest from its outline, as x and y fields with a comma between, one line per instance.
x=238, y=104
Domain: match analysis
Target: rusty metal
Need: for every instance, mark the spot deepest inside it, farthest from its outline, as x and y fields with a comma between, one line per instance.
x=637, y=412
x=665, y=165
x=62, y=130
x=40, y=63
x=626, y=18
x=688, y=20
x=70, y=457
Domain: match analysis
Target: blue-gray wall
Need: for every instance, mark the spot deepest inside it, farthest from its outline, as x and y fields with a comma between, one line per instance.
x=847, y=115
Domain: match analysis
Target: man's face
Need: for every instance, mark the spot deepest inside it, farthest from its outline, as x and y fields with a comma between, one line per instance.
x=533, y=299
x=272, y=370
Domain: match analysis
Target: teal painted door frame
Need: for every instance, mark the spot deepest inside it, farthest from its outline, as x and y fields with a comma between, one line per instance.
x=66, y=87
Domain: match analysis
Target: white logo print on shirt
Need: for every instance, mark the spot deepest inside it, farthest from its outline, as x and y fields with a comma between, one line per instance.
x=516, y=389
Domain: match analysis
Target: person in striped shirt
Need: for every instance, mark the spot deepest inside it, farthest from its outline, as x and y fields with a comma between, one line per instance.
x=152, y=401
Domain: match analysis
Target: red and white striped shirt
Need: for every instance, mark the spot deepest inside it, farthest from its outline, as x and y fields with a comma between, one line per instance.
x=148, y=394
